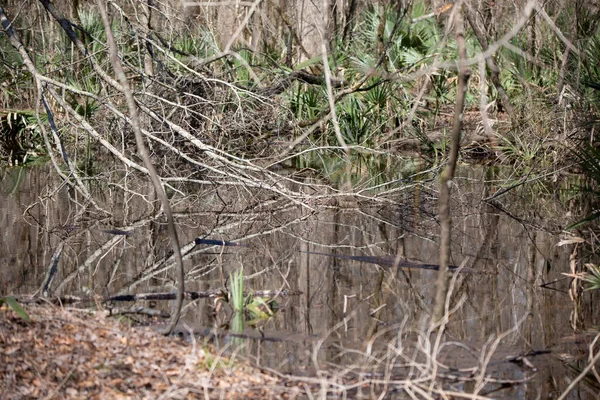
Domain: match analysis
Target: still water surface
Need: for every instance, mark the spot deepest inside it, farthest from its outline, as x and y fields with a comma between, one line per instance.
x=358, y=307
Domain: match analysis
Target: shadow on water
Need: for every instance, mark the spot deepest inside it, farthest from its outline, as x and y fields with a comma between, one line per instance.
x=351, y=311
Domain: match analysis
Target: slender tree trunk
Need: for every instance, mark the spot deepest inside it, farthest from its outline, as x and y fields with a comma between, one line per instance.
x=448, y=173
x=349, y=22
x=532, y=40
x=135, y=124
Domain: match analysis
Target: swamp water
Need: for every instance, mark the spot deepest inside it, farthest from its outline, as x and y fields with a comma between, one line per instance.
x=351, y=317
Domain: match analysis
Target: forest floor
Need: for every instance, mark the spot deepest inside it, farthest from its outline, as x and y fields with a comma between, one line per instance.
x=80, y=354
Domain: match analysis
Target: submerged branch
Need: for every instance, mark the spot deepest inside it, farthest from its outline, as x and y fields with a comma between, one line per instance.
x=155, y=296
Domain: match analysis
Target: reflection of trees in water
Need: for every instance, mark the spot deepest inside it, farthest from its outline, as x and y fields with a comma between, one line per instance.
x=275, y=231
x=416, y=210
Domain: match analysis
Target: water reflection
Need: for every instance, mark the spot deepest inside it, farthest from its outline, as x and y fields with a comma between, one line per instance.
x=360, y=307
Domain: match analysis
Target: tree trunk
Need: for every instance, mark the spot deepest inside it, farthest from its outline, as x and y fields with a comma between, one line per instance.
x=448, y=173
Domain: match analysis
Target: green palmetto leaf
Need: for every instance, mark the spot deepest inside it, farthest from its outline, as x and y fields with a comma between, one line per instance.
x=16, y=307
x=585, y=220
x=411, y=56
x=257, y=312
x=588, y=158
x=592, y=276
x=260, y=307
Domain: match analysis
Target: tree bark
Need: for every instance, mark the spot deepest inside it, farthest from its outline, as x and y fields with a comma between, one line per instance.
x=448, y=173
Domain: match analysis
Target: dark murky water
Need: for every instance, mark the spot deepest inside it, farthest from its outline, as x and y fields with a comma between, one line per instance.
x=359, y=307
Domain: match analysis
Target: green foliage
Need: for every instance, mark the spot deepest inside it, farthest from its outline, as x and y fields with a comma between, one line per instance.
x=84, y=106
x=411, y=46
x=366, y=169
x=413, y=42
x=237, y=290
x=255, y=308
x=368, y=114
x=520, y=147
x=592, y=276
x=307, y=102
x=15, y=82
x=91, y=22
x=592, y=58
x=355, y=119
x=591, y=71
x=200, y=45
x=21, y=141
x=588, y=158
x=238, y=67
x=261, y=308
x=15, y=306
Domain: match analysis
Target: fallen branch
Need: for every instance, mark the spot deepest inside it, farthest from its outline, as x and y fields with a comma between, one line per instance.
x=155, y=296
